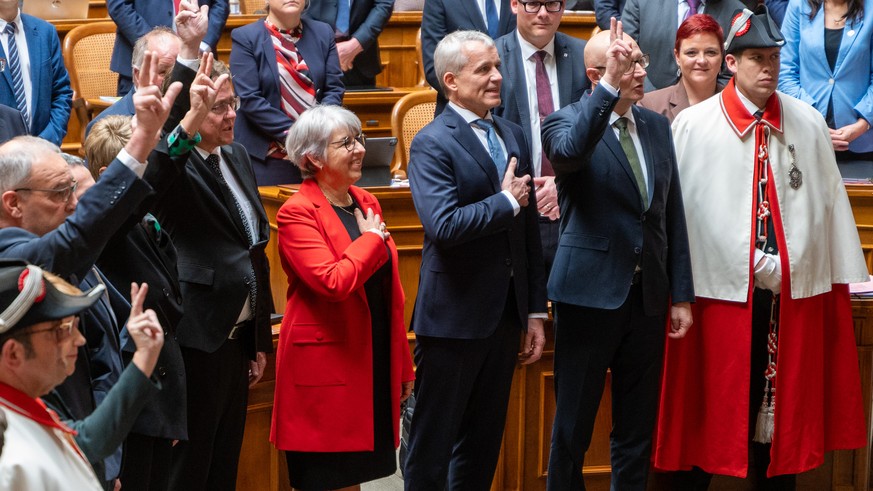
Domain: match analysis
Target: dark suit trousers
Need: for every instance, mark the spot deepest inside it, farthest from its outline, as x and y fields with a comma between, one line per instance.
x=146, y=465
x=462, y=392
x=587, y=343
x=217, y=398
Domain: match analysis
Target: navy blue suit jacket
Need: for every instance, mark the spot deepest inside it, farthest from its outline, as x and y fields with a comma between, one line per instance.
x=605, y=9
x=135, y=18
x=572, y=81
x=52, y=96
x=261, y=119
x=11, y=123
x=442, y=17
x=605, y=231
x=473, y=244
x=367, y=18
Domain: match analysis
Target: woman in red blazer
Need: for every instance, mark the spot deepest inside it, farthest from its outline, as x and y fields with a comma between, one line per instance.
x=343, y=363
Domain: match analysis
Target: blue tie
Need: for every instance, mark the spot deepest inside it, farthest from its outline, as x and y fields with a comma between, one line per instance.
x=491, y=18
x=15, y=71
x=342, y=16
x=494, y=147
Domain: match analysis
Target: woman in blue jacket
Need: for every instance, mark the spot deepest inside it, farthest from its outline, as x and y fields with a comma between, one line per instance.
x=827, y=61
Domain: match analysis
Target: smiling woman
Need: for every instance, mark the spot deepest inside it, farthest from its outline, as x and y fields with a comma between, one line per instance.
x=699, y=53
x=342, y=364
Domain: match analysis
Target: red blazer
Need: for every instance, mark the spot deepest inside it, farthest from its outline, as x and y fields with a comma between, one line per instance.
x=324, y=375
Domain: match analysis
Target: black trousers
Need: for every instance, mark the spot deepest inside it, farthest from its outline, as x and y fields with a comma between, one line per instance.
x=217, y=398
x=549, y=237
x=146, y=465
x=759, y=453
x=462, y=392
x=588, y=342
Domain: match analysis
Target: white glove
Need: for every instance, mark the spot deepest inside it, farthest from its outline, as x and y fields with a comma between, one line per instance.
x=768, y=271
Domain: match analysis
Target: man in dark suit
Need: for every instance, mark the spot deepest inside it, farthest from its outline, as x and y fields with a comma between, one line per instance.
x=214, y=214
x=653, y=25
x=135, y=18
x=528, y=95
x=33, y=53
x=11, y=124
x=622, y=259
x=442, y=17
x=357, y=24
x=482, y=269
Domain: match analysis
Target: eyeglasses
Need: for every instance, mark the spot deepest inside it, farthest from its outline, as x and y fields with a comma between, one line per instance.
x=534, y=7
x=61, y=195
x=62, y=331
x=349, y=142
x=221, y=107
x=642, y=61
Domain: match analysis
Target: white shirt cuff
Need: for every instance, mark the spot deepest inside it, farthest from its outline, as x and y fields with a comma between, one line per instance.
x=136, y=166
x=515, y=206
x=538, y=315
x=612, y=90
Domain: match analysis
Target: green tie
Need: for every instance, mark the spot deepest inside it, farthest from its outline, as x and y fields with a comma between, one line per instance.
x=630, y=152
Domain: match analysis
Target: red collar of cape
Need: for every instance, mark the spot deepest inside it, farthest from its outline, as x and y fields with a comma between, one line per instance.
x=739, y=117
x=34, y=409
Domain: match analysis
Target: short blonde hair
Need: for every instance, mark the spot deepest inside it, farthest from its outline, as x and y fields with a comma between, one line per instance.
x=107, y=137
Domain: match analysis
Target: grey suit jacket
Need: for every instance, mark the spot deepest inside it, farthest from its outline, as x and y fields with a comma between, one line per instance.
x=653, y=25
x=572, y=81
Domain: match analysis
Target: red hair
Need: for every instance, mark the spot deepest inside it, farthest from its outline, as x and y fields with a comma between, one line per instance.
x=699, y=24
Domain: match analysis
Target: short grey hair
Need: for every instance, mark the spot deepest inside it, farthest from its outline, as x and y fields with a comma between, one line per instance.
x=73, y=160
x=142, y=44
x=449, y=55
x=310, y=134
x=17, y=157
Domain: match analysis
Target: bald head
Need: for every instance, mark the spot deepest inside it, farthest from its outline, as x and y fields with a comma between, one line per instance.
x=595, y=50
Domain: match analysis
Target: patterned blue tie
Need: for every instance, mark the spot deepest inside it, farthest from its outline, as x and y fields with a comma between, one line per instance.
x=342, y=16
x=494, y=147
x=491, y=18
x=15, y=71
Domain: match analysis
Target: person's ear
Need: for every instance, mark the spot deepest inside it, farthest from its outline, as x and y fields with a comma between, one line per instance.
x=593, y=74
x=100, y=171
x=11, y=204
x=732, y=63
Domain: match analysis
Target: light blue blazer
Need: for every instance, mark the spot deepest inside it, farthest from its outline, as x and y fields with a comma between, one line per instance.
x=806, y=75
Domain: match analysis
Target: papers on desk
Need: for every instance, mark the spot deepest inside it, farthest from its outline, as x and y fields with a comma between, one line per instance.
x=862, y=290
x=399, y=183
x=109, y=99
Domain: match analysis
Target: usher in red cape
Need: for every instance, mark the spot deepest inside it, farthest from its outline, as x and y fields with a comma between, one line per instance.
x=703, y=419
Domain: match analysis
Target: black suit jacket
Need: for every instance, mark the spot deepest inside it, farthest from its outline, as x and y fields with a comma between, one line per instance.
x=473, y=244
x=144, y=253
x=214, y=255
x=367, y=18
x=605, y=230
x=442, y=17
x=572, y=81
x=11, y=123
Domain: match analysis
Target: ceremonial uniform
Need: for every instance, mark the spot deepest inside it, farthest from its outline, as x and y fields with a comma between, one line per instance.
x=704, y=417
x=39, y=451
